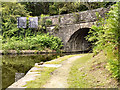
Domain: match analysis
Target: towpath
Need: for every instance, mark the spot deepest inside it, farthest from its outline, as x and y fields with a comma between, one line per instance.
x=59, y=76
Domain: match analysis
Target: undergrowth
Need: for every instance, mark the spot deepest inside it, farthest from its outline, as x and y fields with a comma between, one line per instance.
x=105, y=37
x=90, y=72
x=38, y=42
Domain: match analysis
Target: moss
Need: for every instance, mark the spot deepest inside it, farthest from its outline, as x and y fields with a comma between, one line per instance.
x=56, y=28
x=59, y=18
x=76, y=16
x=48, y=22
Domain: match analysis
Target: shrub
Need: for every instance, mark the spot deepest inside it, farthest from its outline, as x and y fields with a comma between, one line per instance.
x=10, y=12
x=48, y=22
x=105, y=37
x=38, y=42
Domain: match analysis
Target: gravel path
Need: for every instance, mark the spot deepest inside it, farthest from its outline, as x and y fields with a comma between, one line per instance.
x=59, y=76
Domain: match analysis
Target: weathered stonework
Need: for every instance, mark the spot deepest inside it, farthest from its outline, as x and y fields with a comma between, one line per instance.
x=84, y=16
x=69, y=24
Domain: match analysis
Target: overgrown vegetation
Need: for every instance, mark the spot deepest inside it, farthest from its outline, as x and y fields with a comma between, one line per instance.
x=10, y=12
x=55, y=8
x=14, y=38
x=91, y=72
x=28, y=38
x=105, y=37
x=38, y=42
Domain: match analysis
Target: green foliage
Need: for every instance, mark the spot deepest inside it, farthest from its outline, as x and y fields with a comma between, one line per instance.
x=104, y=36
x=38, y=42
x=55, y=8
x=48, y=22
x=76, y=16
x=37, y=8
x=95, y=5
x=10, y=12
x=59, y=18
x=43, y=23
x=113, y=66
x=24, y=39
x=57, y=27
x=77, y=78
x=69, y=7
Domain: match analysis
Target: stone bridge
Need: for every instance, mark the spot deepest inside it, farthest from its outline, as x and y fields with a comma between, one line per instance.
x=72, y=28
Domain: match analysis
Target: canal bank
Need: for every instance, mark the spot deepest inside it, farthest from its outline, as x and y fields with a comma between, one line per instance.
x=71, y=71
x=18, y=64
x=40, y=70
x=14, y=52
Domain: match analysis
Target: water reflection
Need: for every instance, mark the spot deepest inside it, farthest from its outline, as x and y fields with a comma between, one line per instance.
x=20, y=64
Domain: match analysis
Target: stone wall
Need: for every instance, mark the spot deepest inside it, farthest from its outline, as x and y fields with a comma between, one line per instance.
x=69, y=24
x=78, y=17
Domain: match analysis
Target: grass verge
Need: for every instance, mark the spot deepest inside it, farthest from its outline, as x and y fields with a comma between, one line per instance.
x=91, y=72
x=45, y=73
x=40, y=80
x=61, y=59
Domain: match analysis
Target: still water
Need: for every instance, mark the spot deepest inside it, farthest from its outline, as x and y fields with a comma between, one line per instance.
x=12, y=64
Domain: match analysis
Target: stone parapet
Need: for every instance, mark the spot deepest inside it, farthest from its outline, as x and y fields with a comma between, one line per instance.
x=77, y=17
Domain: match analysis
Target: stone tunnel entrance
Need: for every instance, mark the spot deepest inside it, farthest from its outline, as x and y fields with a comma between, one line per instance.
x=77, y=41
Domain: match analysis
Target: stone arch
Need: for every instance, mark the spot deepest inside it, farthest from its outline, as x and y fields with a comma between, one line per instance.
x=77, y=41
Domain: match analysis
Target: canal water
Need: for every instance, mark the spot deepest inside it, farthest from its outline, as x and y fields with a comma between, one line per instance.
x=12, y=64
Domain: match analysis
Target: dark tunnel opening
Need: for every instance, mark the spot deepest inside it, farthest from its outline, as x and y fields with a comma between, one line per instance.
x=77, y=41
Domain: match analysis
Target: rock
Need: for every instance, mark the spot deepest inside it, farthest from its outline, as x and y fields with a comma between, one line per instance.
x=41, y=63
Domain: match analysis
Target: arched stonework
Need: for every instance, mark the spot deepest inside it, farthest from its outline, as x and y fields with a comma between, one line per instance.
x=71, y=28
x=77, y=41
x=66, y=31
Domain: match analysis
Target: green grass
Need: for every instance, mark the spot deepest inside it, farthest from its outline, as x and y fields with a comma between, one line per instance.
x=61, y=59
x=86, y=72
x=45, y=73
x=91, y=72
x=76, y=78
x=42, y=79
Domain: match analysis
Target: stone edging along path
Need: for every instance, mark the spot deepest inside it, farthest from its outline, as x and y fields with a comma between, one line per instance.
x=59, y=75
x=25, y=52
x=14, y=52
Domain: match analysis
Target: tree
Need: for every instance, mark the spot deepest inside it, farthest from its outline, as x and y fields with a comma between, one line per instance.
x=10, y=12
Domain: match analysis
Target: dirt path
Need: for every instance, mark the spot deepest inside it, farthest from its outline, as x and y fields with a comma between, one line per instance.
x=60, y=75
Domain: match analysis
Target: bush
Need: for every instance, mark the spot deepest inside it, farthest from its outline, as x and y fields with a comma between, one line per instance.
x=48, y=22
x=113, y=66
x=38, y=42
x=10, y=12
x=105, y=37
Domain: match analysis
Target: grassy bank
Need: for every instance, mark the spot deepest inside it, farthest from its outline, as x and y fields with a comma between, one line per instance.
x=45, y=73
x=91, y=72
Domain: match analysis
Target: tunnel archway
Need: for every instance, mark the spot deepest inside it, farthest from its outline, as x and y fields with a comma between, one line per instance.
x=77, y=41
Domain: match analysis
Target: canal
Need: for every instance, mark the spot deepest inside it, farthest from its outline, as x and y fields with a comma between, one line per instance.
x=12, y=64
